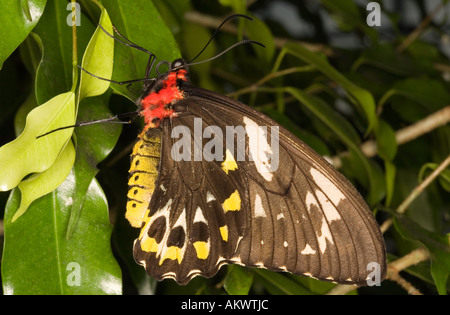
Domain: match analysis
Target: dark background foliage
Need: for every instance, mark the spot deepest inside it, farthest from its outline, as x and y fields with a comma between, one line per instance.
x=375, y=99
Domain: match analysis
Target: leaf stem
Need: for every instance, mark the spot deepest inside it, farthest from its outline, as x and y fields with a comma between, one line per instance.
x=74, y=48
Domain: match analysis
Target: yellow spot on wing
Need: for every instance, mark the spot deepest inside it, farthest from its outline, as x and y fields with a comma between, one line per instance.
x=202, y=249
x=148, y=244
x=229, y=164
x=233, y=203
x=224, y=232
x=173, y=252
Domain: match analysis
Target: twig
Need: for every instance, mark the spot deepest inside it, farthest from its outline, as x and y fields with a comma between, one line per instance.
x=394, y=268
x=413, y=258
x=406, y=285
x=420, y=28
x=417, y=255
x=254, y=87
x=402, y=136
x=213, y=22
x=416, y=192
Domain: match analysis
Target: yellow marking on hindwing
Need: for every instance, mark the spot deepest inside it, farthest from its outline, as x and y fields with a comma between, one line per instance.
x=229, y=164
x=202, y=249
x=233, y=203
x=224, y=232
x=149, y=244
x=174, y=253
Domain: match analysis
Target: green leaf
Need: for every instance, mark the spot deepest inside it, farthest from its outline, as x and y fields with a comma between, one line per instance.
x=277, y=283
x=238, y=280
x=438, y=246
x=94, y=143
x=357, y=95
x=54, y=73
x=146, y=28
x=386, y=141
x=43, y=183
x=390, y=173
x=38, y=259
x=28, y=154
x=431, y=94
x=17, y=23
x=387, y=149
x=444, y=176
x=98, y=59
x=257, y=30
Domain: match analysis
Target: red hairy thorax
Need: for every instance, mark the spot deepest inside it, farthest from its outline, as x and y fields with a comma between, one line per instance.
x=157, y=104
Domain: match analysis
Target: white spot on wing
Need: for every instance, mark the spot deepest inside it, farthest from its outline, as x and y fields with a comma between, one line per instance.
x=332, y=191
x=308, y=250
x=199, y=217
x=181, y=221
x=259, y=148
x=210, y=197
x=329, y=209
x=325, y=235
x=259, y=209
x=310, y=200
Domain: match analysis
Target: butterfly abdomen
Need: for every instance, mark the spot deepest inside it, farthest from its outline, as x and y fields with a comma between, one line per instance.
x=143, y=174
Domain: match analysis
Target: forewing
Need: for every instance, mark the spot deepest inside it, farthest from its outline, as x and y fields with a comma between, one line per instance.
x=282, y=207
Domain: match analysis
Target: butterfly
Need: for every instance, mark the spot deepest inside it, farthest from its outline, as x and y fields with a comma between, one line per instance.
x=207, y=189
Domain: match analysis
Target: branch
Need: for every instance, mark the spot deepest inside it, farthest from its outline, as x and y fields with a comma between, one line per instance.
x=407, y=134
x=420, y=28
x=214, y=22
x=417, y=191
x=417, y=255
x=393, y=273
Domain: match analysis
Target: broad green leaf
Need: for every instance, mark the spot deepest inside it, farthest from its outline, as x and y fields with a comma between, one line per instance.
x=387, y=149
x=429, y=93
x=357, y=95
x=29, y=154
x=98, y=60
x=326, y=114
x=386, y=141
x=257, y=30
x=94, y=143
x=277, y=283
x=55, y=71
x=438, y=246
x=38, y=259
x=238, y=280
x=18, y=19
x=40, y=184
x=146, y=28
x=194, y=40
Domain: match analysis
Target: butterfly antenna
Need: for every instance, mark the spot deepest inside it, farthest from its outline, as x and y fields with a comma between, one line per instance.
x=217, y=30
x=242, y=42
x=111, y=120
